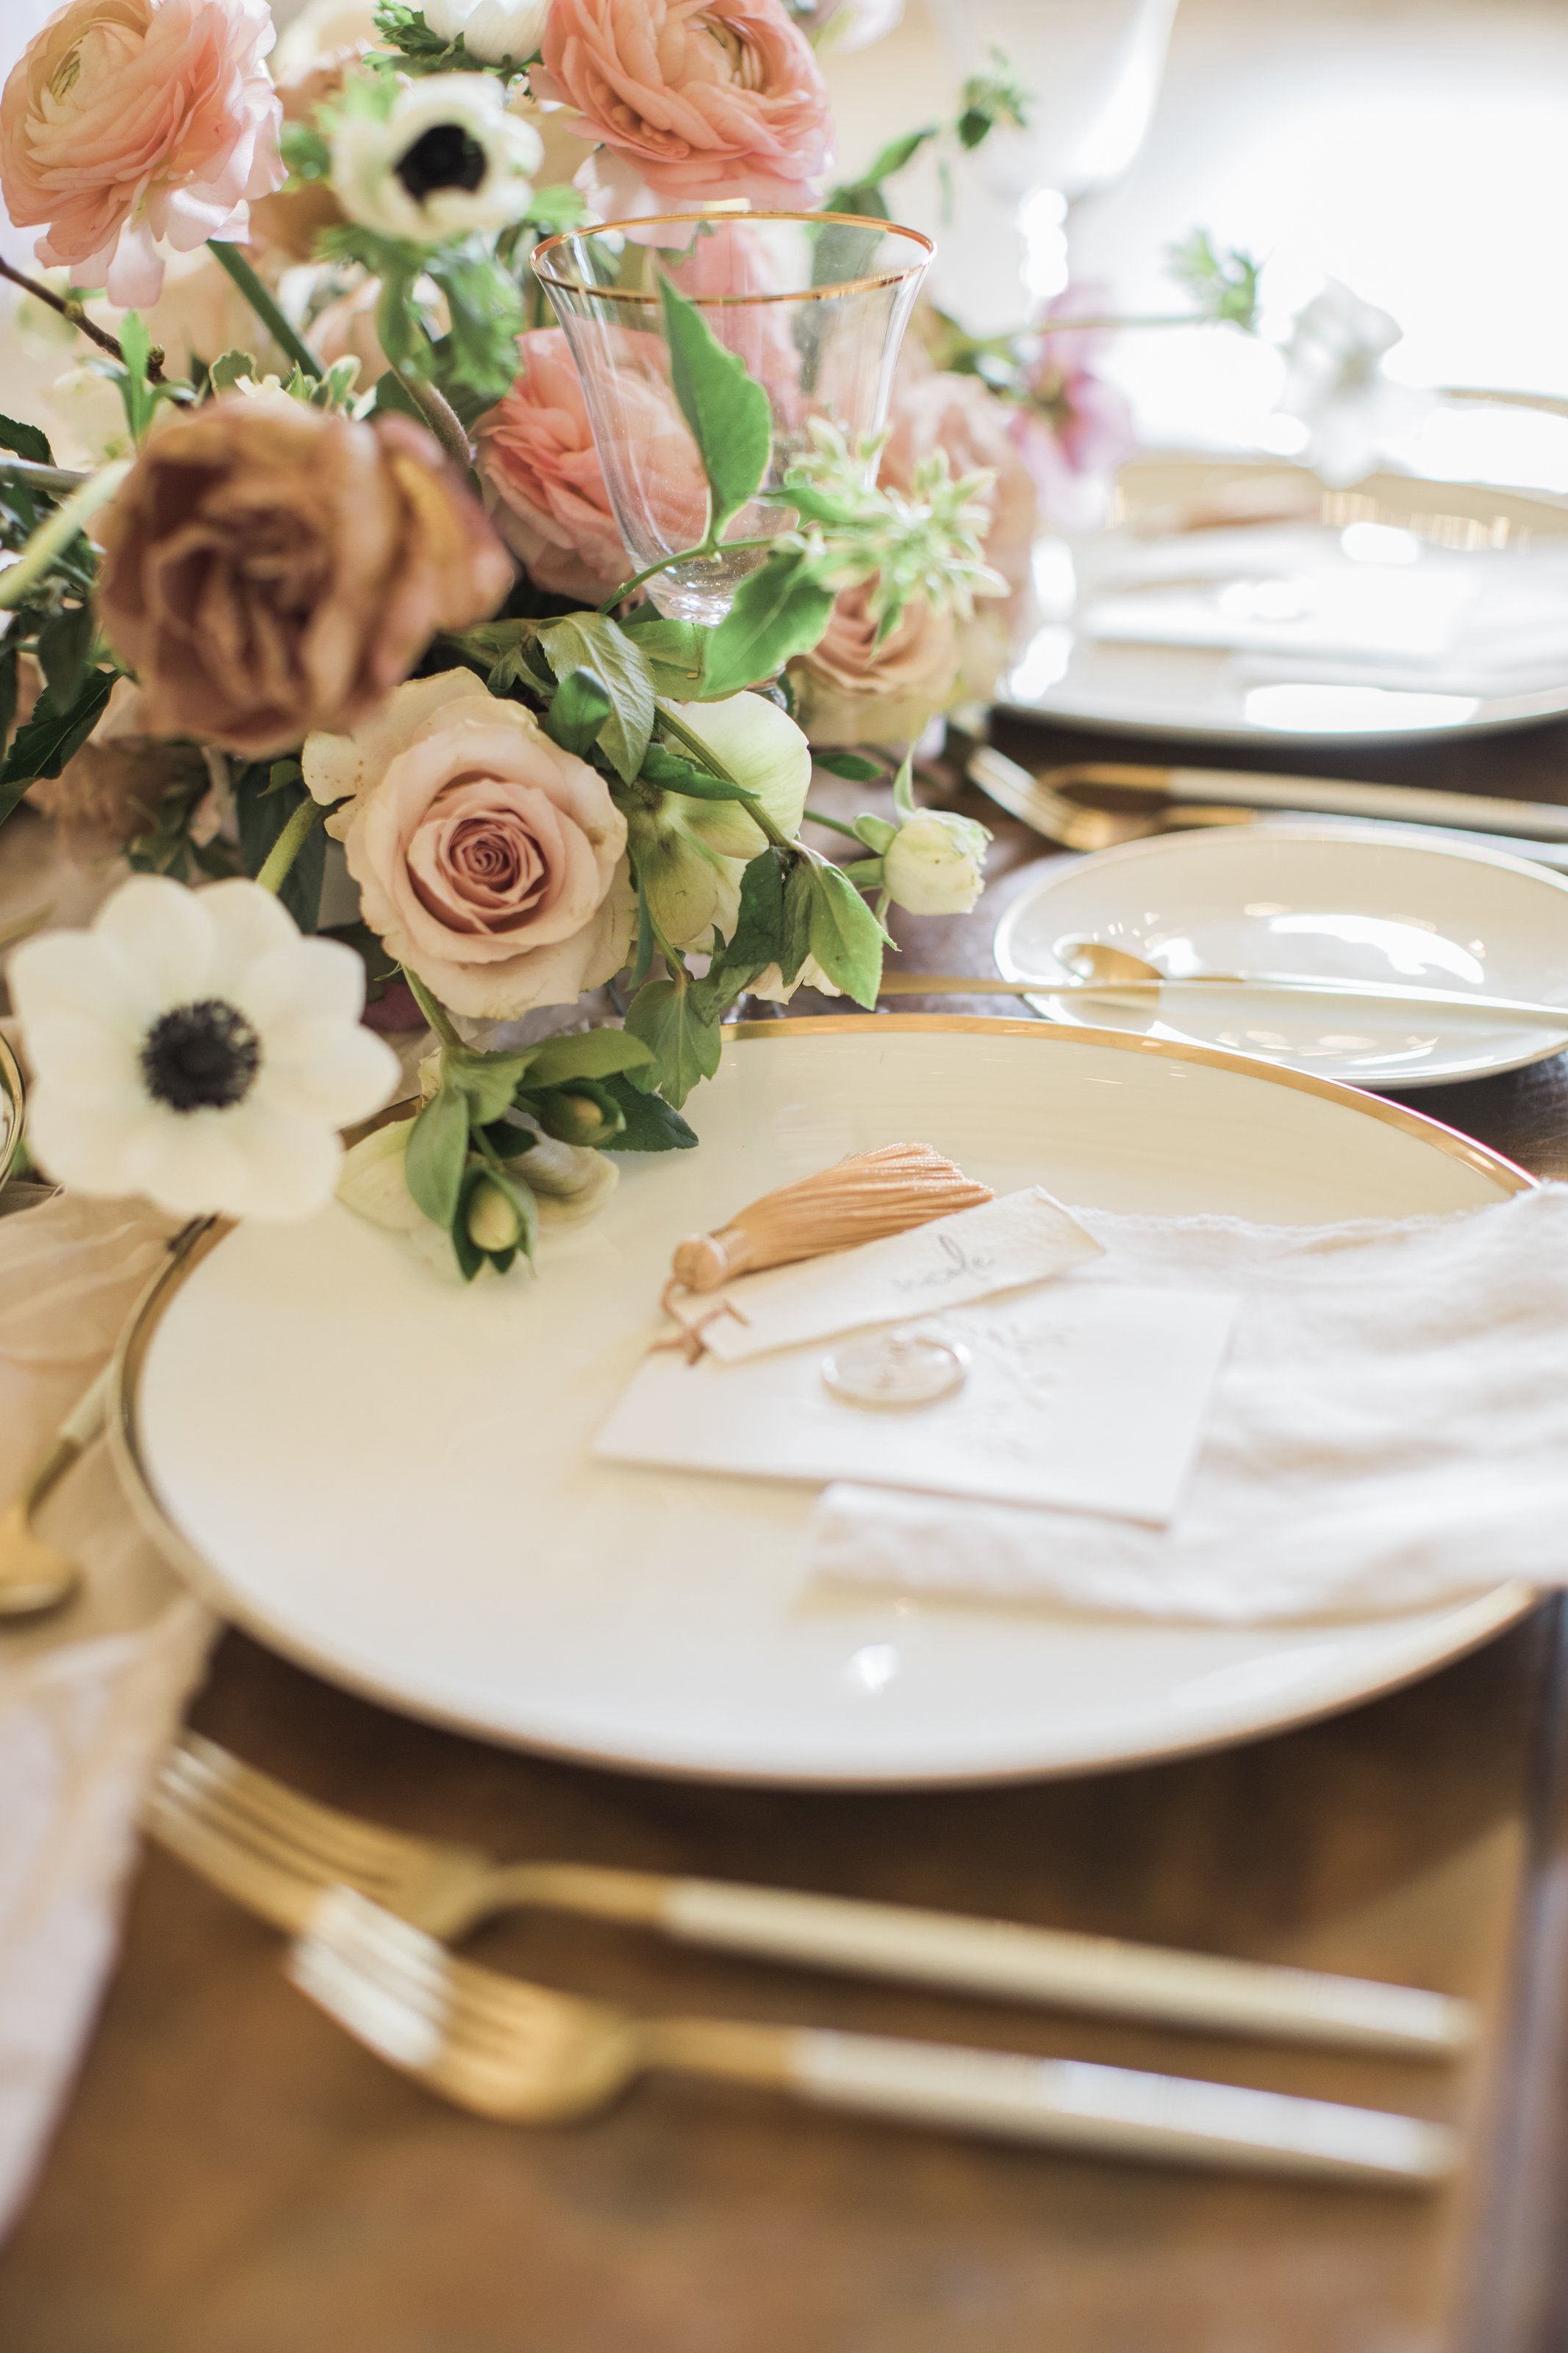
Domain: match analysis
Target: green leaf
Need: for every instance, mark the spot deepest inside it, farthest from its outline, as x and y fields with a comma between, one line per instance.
x=266, y=795
x=875, y=833
x=779, y=611
x=758, y=938
x=675, y=651
x=65, y=648
x=438, y=1154
x=580, y=706
x=897, y=152
x=50, y=738
x=677, y=775
x=844, y=936
x=231, y=368
x=727, y=410
x=25, y=440
x=852, y=766
x=592, y=641
x=590, y=1054
x=685, y=1042
x=489, y=1081
x=486, y=315
x=798, y=901
x=651, y=1123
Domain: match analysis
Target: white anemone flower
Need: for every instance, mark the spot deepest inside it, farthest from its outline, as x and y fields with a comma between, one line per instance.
x=1334, y=383
x=196, y=1047
x=444, y=160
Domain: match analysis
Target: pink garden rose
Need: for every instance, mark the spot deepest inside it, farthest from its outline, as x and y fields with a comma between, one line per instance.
x=855, y=691
x=702, y=98
x=542, y=476
x=130, y=121
x=1078, y=429
x=491, y=861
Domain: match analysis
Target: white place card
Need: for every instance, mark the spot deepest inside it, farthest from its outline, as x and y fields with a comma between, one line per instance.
x=1089, y=1397
x=1024, y=1238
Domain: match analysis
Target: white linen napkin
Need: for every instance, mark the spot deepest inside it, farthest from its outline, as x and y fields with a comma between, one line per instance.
x=1389, y=1430
x=90, y=1699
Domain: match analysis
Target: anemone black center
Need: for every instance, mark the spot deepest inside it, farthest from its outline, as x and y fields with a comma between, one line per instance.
x=201, y=1056
x=445, y=156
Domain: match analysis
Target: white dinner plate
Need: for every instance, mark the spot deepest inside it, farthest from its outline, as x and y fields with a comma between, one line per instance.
x=387, y=1476
x=1328, y=901
x=1400, y=607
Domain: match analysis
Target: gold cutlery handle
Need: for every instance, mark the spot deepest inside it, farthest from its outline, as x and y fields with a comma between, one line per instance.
x=1337, y=797
x=1267, y=983
x=1117, y=2111
x=34, y=1575
x=1008, y=1962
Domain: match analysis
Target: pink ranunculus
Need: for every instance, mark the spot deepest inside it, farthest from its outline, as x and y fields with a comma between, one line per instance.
x=705, y=99
x=540, y=467
x=491, y=861
x=130, y=121
x=957, y=413
x=1078, y=428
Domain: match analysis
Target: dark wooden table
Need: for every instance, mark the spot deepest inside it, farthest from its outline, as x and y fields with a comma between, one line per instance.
x=235, y=2176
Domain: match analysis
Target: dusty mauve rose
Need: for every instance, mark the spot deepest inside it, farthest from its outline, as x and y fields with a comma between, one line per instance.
x=700, y=98
x=130, y=121
x=854, y=690
x=491, y=861
x=542, y=477
x=271, y=567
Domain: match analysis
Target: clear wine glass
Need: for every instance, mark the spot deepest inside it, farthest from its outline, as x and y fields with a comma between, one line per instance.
x=814, y=304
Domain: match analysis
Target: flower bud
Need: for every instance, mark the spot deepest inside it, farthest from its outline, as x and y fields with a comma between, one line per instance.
x=494, y=1225
x=932, y=866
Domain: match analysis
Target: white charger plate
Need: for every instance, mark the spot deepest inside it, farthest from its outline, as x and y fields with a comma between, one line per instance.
x=387, y=1476
x=1322, y=900
x=1403, y=522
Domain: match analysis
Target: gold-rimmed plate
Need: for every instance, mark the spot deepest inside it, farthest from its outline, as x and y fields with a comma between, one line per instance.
x=387, y=1476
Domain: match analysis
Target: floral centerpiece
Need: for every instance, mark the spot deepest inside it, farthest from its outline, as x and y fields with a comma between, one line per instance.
x=350, y=563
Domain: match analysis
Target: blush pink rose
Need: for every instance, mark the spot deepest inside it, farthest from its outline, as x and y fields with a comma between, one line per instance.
x=1078, y=428
x=854, y=689
x=540, y=467
x=130, y=121
x=492, y=862
x=703, y=99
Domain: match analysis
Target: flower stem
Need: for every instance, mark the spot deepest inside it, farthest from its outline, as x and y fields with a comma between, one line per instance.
x=434, y=1013
x=265, y=307
x=834, y=824
x=53, y=481
x=705, y=554
x=440, y=415
x=289, y=843
x=55, y=530
x=79, y=318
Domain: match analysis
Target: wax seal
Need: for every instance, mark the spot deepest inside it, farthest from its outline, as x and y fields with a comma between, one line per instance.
x=895, y=1370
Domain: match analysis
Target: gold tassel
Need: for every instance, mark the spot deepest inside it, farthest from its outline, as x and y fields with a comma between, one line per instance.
x=858, y=1201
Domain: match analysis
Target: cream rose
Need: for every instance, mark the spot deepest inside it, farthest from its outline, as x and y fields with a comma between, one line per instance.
x=491, y=861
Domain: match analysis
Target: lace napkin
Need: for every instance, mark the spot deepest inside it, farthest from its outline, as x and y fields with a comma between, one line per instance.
x=89, y=1700
x=1389, y=1430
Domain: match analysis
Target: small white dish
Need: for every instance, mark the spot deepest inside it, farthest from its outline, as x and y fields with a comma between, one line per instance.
x=1241, y=601
x=392, y=1481
x=1322, y=899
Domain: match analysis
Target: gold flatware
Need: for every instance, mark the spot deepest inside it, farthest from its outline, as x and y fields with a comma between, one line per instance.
x=1100, y=967
x=526, y=2054
x=274, y=1851
x=1148, y=800
x=36, y=1575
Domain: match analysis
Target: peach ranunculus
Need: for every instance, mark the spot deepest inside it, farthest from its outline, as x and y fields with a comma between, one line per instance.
x=492, y=862
x=130, y=121
x=542, y=470
x=271, y=567
x=701, y=99
x=854, y=690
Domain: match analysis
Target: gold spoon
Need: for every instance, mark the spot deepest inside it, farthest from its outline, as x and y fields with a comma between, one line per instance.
x=1096, y=965
x=36, y=1575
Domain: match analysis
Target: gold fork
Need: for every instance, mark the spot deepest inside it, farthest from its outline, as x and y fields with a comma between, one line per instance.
x=274, y=1851
x=528, y=2056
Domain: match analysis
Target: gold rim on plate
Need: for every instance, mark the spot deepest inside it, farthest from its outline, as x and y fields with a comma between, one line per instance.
x=1489, y=1613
